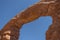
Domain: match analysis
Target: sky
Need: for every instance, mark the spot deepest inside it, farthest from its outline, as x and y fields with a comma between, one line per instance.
x=35, y=30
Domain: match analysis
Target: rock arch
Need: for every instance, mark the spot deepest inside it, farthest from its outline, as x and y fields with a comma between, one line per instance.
x=43, y=8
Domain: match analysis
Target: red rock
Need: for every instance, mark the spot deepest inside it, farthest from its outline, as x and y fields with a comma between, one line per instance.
x=43, y=8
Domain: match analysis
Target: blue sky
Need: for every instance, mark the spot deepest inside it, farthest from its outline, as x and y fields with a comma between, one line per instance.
x=31, y=31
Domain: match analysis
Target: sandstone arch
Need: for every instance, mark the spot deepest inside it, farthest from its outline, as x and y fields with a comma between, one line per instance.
x=43, y=8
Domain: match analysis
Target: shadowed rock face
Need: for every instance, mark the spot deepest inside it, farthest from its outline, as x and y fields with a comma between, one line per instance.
x=43, y=8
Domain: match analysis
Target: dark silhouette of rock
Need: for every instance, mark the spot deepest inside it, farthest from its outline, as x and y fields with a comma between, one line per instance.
x=43, y=8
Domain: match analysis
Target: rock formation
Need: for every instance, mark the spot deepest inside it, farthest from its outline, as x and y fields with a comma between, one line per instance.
x=43, y=8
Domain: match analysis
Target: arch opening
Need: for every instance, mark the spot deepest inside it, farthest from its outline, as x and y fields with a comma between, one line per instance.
x=36, y=30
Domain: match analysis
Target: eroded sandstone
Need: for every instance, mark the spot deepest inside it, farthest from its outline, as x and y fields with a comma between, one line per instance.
x=43, y=8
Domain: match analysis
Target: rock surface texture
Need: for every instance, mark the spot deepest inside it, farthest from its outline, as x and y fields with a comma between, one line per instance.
x=42, y=8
